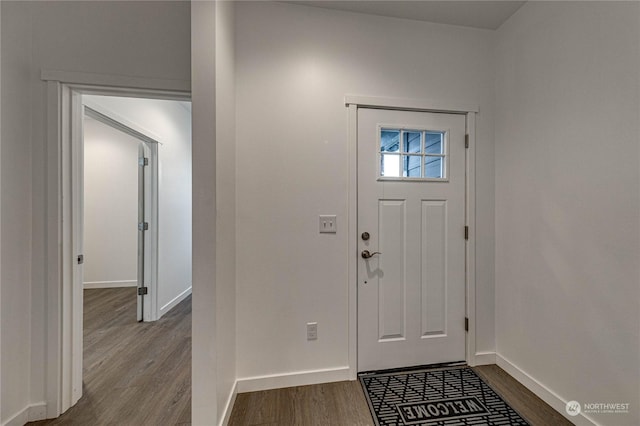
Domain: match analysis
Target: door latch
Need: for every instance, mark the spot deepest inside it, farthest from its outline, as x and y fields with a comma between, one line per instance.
x=366, y=255
x=80, y=259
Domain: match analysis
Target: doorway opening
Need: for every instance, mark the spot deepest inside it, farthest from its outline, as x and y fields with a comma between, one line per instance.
x=133, y=229
x=162, y=217
x=119, y=211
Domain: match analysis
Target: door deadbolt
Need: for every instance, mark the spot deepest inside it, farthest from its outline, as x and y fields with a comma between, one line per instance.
x=365, y=236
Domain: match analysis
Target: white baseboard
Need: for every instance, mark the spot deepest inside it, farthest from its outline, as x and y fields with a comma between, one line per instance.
x=229, y=406
x=30, y=413
x=299, y=378
x=485, y=358
x=110, y=284
x=37, y=412
x=543, y=392
x=179, y=298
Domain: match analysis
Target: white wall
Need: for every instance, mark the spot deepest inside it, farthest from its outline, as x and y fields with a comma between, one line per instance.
x=225, y=307
x=16, y=225
x=214, y=266
x=204, y=407
x=170, y=123
x=567, y=201
x=110, y=206
x=149, y=40
x=0, y=208
x=294, y=65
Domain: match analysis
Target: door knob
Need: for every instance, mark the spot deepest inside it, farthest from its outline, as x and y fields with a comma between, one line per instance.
x=366, y=255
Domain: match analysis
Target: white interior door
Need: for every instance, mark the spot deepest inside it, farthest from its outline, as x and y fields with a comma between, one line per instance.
x=411, y=209
x=144, y=236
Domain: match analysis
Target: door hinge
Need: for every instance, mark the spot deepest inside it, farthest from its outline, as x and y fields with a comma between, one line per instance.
x=466, y=141
x=143, y=226
x=466, y=232
x=466, y=324
x=143, y=161
x=142, y=291
x=80, y=259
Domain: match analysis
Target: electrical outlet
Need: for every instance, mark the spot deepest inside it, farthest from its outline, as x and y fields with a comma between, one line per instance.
x=328, y=224
x=312, y=331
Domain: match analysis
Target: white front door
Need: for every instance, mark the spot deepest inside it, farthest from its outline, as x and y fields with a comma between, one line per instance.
x=411, y=209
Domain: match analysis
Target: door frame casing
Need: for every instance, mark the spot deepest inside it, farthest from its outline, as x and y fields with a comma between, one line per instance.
x=469, y=110
x=63, y=375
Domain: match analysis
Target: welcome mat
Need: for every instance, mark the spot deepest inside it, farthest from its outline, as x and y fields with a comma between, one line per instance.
x=451, y=396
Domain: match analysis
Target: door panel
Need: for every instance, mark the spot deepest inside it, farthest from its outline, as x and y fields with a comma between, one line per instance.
x=392, y=291
x=433, y=241
x=411, y=200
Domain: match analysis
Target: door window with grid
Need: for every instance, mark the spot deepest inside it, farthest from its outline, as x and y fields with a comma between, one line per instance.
x=407, y=154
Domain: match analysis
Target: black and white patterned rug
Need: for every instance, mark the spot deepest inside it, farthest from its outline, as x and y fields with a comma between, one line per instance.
x=435, y=397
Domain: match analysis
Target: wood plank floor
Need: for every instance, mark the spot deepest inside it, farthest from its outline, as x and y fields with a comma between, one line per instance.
x=526, y=403
x=140, y=374
x=134, y=373
x=343, y=403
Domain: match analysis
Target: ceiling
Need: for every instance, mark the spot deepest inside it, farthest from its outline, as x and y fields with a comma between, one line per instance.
x=478, y=14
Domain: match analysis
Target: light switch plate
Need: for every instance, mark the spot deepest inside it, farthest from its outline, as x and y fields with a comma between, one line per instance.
x=312, y=331
x=328, y=224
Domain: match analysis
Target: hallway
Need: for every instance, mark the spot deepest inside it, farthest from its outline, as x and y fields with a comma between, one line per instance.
x=134, y=373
